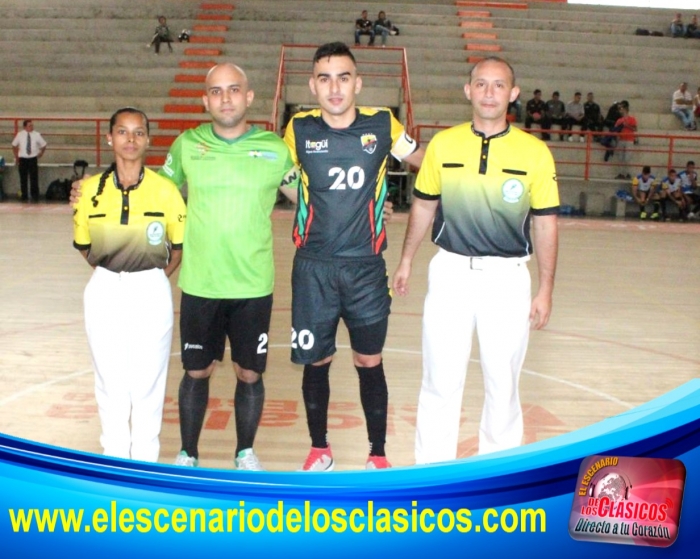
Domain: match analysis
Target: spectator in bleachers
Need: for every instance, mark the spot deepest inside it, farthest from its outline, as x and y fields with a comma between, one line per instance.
x=677, y=27
x=162, y=35
x=575, y=115
x=696, y=106
x=645, y=189
x=556, y=113
x=384, y=27
x=671, y=190
x=691, y=30
x=612, y=116
x=363, y=26
x=627, y=125
x=515, y=108
x=536, y=113
x=610, y=141
x=681, y=106
x=689, y=186
x=592, y=115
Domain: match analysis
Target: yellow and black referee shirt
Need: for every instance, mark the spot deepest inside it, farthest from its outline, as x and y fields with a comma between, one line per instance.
x=487, y=188
x=132, y=230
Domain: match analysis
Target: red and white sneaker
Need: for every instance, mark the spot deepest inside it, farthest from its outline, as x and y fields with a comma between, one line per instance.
x=377, y=463
x=318, y=460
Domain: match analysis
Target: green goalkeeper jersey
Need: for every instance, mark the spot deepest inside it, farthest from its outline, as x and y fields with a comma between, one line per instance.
x=231, y=192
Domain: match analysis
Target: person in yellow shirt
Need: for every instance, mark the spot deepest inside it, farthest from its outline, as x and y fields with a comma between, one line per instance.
x=483, y=186
x=129, y=225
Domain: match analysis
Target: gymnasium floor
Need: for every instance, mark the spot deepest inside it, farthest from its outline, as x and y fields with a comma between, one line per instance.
x=625, y=329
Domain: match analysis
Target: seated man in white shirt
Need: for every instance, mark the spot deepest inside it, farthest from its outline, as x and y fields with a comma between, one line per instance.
x=682, y=106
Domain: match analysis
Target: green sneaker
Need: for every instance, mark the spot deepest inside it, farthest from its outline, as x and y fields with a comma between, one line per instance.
x=183, y=459
x=247, y=460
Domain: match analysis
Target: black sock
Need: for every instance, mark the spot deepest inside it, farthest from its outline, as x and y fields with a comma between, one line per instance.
x=375, y=398
x=193, y=399
x=248, y=402
x=316, y=389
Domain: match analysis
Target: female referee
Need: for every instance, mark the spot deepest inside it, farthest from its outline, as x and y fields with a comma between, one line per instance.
x=129, y=226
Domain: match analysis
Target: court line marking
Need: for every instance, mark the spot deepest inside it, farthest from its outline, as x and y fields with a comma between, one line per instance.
x=582, y=387
x=41, y=386
x=575, y=385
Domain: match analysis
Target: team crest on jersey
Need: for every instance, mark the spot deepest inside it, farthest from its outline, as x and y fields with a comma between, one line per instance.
x=155, y=233
x=512, y=190
x=369, y=143
x=202, y=148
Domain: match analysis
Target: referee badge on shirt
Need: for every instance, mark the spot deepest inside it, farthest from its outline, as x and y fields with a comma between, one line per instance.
x=512, y=190
x=369, y=143
x=155, y=232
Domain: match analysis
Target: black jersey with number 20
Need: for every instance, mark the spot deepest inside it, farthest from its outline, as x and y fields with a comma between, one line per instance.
x=343, y=186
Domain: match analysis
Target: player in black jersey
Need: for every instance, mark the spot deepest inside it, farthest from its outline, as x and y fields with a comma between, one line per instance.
x=339, y=233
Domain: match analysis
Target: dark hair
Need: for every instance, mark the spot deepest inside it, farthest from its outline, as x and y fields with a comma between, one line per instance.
x=624, y=104
x=646, y=170
x=25, y=122
x=671, y=171
x=101, y=187
x=690, y=163
x=113, y=167
x=537, y=91
x=495, y=59
x=555, y=93
x=333, y=49
x=577, y=93
x=128, y=110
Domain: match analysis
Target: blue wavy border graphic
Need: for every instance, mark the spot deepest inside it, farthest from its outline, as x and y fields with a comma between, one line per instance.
x=539, y=476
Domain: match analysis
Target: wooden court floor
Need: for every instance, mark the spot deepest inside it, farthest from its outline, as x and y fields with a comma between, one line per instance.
x=625, y=329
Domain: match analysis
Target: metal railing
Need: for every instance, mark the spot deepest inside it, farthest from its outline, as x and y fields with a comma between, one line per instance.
x=585, y=160
x=84, y=138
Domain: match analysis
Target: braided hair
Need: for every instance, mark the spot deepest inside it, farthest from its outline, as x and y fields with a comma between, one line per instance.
x=113, y=167
x=101, y=187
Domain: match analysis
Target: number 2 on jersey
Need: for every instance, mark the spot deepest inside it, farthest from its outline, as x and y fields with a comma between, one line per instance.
x=262, y=346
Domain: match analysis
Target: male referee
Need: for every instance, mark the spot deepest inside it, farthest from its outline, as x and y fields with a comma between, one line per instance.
x=483, y=184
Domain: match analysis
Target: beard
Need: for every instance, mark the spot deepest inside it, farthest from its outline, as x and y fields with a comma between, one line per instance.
x=228, y=121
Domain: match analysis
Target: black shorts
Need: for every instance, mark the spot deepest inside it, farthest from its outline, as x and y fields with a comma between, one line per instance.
x=206, y=323
x=324, y=291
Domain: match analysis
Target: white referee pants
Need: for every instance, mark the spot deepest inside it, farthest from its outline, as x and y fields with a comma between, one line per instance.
x=129, y=323
x=493, y=295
